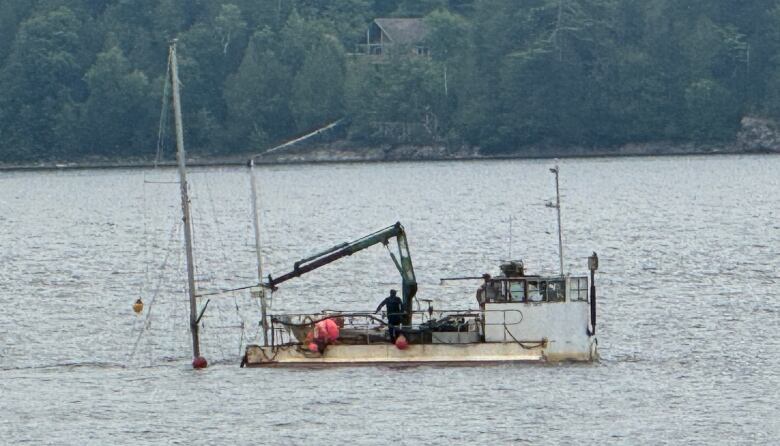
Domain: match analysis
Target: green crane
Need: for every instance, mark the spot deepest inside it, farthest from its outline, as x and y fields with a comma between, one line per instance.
x=403, y=262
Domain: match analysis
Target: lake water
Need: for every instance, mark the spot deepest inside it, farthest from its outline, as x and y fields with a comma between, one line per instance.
x=689, y=308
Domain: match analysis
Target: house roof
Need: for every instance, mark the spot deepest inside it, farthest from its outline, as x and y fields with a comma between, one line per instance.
x=403, y=31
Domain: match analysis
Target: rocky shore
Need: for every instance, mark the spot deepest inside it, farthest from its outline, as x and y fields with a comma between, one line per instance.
x=757, y=135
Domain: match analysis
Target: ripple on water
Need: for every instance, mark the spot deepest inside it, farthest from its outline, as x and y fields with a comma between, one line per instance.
x=688, y=328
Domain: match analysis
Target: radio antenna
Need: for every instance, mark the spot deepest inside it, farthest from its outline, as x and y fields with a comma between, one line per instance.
x=510, y=237
x=557, y=207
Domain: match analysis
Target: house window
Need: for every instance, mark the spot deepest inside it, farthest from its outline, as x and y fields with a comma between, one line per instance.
x=421, y=50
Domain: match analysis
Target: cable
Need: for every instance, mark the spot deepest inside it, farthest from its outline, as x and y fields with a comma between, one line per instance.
x=147, y=320
x=541, y=343
x=163, y=117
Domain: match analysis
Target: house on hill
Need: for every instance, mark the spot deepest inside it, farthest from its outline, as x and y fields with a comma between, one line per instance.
x=385, y=36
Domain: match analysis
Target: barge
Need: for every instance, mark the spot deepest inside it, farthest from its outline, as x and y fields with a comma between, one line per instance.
x=514, y=317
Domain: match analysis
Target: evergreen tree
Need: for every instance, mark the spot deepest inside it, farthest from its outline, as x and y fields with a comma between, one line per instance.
x=318, y=88
x=117, y=114
x=257, y=96
x=37, y=85
x=501, y=74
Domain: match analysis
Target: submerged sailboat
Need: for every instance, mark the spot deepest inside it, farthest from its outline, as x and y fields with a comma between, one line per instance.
x=515, y=317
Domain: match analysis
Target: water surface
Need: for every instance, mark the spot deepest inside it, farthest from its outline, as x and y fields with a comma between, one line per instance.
x=689, y=315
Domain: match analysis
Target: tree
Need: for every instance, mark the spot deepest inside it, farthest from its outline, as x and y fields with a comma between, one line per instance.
x=449, y=40
x=209, y=54
x=257, y=96
x=318, y=88
x=119, y=118
x=502, y=74
x=396, y=102
x=229, y=25
x=712, y=113
x=12, y=13
x=418, y=8
x=297, y=38
x=37, y=85
x=347, y=18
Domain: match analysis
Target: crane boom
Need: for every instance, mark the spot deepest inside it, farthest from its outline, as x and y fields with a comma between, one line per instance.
x=403, y=262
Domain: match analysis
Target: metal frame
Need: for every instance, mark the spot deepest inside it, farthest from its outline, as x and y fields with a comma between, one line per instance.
x=282, y=334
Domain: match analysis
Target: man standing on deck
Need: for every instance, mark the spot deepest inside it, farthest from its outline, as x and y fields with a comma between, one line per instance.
x=395, y=310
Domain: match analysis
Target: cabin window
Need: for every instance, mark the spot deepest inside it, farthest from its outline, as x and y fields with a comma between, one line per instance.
x=494, y=292
x=554, y=291
x=546, y=291
x=579, y=288
x=517, y=291
x=523, y=290
x=535, y=291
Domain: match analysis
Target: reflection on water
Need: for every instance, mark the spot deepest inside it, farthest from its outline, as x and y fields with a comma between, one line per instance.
x=688, y=315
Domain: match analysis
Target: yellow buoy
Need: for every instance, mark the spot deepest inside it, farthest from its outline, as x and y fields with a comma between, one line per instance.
x=138, y=306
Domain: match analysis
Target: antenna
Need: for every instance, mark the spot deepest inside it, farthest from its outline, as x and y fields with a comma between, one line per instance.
x=555, y=170
x=510, y=237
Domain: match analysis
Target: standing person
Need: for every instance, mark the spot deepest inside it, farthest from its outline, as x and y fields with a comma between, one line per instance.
x=395, y=311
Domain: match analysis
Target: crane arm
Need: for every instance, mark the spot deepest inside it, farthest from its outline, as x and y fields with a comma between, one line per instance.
x=403, y=261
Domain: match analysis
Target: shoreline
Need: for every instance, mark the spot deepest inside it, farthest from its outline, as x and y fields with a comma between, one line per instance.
x=319, y=157
x=758, y=136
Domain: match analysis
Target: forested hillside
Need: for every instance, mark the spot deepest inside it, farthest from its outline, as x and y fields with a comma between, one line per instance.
x=85, y=77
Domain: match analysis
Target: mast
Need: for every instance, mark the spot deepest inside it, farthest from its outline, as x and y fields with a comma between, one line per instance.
x=256, y=219
x=185, y=203
x=256, y=224
x=557, y=207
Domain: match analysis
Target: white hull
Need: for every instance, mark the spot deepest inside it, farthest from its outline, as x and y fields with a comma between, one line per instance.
x=442, y=354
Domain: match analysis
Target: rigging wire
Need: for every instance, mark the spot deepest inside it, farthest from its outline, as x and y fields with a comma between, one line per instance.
x=145, y=247
x=218, y=226
x=150, y=306
x=221, y=246
x=144, y=286
x=220, y=231
x=163, y=116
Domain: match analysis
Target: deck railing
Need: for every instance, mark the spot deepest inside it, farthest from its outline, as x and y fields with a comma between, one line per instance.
x=292, y=328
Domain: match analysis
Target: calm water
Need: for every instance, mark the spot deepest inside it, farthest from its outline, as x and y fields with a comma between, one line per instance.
x=689, y=314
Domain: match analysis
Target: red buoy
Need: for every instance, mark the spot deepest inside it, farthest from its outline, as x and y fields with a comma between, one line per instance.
x=401, y=343
x=327, y=330
x=199, y=363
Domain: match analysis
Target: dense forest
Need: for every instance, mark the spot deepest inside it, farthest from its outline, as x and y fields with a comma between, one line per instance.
x=83, y=78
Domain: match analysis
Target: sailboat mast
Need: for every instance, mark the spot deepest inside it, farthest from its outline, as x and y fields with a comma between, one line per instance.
x=256, y=225
x=185, y=201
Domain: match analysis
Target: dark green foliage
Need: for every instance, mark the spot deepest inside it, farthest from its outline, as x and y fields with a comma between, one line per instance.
x=257, y=96
x=117, y=115
x=38, y=83
x=399, y=101
x=318, y=87
x=85, y=77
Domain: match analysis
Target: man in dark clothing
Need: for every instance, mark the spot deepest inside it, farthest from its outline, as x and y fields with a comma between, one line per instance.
x=395, y=311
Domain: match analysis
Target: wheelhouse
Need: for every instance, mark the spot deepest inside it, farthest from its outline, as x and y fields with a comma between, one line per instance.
x=534, y=289
x=515, y=287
